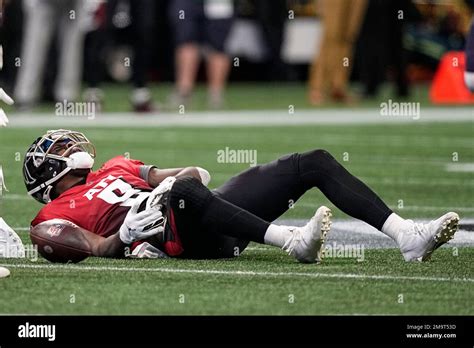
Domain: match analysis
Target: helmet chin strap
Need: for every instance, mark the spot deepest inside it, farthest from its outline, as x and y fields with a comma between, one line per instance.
x=80, y=160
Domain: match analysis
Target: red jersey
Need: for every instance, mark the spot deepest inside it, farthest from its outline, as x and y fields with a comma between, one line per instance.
x=101, y=204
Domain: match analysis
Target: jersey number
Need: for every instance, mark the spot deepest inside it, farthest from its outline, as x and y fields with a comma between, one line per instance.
x=117, y=191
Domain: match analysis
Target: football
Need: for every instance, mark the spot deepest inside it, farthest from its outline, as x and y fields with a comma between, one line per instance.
x=60, y=241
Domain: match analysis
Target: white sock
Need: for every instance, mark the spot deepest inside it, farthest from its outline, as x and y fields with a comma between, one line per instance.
x=277, y=235
x=393, y=226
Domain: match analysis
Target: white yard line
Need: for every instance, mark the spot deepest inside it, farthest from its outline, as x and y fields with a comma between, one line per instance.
x=239, y=273
x=241, y=118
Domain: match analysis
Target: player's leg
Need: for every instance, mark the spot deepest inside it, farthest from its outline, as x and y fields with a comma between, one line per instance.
x=40, y=18
x=185, y=18
x=416, y=241
x=267, y=190
x=218, y=61
x=71, y=40
x=201, y=217
x=143, y=17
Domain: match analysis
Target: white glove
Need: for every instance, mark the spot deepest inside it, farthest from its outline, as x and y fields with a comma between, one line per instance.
x=147, y=251
x=139, y=226
x=157, y=193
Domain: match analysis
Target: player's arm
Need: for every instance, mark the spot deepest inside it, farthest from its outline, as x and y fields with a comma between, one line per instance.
x=136, y=226
x=156, y=176
x=111, y=246
x=73, y=237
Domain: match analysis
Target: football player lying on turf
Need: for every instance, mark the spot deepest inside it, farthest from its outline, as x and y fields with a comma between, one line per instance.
x=169, y=212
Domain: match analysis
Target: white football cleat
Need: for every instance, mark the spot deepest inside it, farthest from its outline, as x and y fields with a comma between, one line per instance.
x=418, y=241
x=307, y=243
x=11, y=245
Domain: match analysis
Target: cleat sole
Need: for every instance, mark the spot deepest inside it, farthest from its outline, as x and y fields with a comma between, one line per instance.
x=448, y=229
x=325, y=228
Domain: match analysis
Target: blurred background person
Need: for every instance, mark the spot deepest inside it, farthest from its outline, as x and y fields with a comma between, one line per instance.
x=157, y=45
x=109, y=19
x=44, y=19
x=196, y=24
x=385, y=22
x=271, y=16
x=94, y=54
x=10, y=38
x=469, y=73
x=330, y=71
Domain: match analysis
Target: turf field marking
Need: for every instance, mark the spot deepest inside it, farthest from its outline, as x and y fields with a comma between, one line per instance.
x=242, y=118
x=406, y=207
x=239, y=273
x=460, y=167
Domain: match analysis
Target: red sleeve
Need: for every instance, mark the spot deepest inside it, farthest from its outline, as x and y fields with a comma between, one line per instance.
x=129, y=165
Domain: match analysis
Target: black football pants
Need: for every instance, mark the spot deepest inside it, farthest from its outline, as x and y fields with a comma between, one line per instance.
x=264, y=193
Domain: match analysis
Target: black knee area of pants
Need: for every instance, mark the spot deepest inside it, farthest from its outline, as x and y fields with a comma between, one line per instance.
x=189, y=195
x=317, y=161
x=319, y=169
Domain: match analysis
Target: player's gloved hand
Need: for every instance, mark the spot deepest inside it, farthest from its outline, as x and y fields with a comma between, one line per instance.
x=142, y=225
x=147, y=251
x=157, y=193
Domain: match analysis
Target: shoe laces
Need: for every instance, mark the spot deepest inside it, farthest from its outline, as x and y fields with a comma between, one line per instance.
x=293, y=241
x=419, y=229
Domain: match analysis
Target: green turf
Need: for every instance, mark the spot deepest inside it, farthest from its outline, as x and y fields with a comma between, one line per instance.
x=240, y=96
x=405, y=164
x=400, y=162
x=126, y=292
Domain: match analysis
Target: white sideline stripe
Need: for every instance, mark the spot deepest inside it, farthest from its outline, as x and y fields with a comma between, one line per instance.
x=241, y=118
x=406, y=207
x=240, y=273
x=460, y=167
